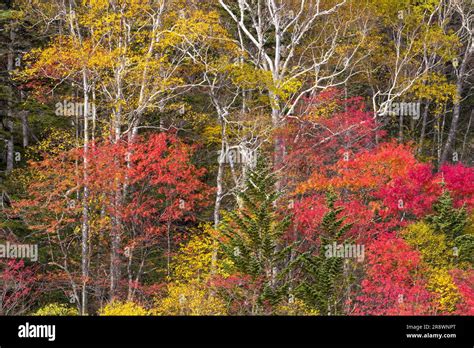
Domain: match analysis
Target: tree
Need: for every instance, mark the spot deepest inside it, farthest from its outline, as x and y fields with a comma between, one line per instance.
x=116, y=54
x=164, y=189
x=323, y=273
x=438, y=255
x=460, y=8
x=253, y=239
x=330, y=128
x=191, y=288
x=17, y=287
x=394, y=282
x=272, y=32
x=446, y=219
x=133, y=114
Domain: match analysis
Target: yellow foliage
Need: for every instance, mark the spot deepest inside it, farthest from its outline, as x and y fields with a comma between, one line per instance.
x=57, y=142
x=127, y=308
x=194, y=259
x=190, y=293
x=249, y=77
x=56, y=309
x=442, y=284
x=297, y=307
x=438, y=255
x=204, y=27
x=212, y=134
x=434, y=87
x=192, y=298
x=433, y=247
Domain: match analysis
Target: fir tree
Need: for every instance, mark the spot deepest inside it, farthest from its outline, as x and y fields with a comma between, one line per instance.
x=464, y=251
x=254, y=237
x=447, y=219
x=322, y=274
x=452, y=222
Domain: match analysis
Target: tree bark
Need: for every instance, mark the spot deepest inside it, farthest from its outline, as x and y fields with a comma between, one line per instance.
x=457, y=106
x=423, y=128
x=25, y=128
x=85, y=201
x=10, y=140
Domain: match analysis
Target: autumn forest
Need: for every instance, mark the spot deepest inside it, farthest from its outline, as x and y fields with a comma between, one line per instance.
x=236, y=157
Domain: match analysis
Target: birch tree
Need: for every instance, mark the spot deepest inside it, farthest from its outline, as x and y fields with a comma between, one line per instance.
x=293, y=42
x=462, y=66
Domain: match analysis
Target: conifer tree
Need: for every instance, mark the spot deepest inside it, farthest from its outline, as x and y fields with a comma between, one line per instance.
x=323, y=273
x=452, y=222
x=464, y=251
x=447, y=219
x=253, y=237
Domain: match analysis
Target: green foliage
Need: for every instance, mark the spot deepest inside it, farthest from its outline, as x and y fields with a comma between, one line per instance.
x=444, y=239
x=323, y=274
x=465, y=250
x=6, y=15
x=447, y=219
x=253, y=236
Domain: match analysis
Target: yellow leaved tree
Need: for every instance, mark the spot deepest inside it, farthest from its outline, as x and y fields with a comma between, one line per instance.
x=190, y=292
x=438, y=254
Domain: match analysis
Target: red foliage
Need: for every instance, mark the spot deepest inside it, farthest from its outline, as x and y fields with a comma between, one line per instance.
x=459, y=180
x=309, y=212
x=17, y=282
x=163, y=163
x=366, y=171
x=141, y=190
x=148, y=183
x=381, y=188
x=241, y=291
x=329, y=127
x=464, y=280
x=394, y=283
x=412, y=194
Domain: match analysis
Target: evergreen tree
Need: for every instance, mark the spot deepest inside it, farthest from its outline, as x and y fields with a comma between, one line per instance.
x=447, y=219
x=452, y=222
x=323, y=273
x=464, y=250
x=254, y=237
